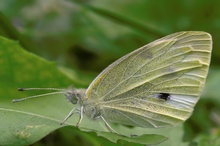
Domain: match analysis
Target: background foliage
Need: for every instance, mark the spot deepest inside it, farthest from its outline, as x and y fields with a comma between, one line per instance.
x=83, y=37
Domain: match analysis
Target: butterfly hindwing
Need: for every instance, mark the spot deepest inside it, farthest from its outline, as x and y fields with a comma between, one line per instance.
x=156, y=85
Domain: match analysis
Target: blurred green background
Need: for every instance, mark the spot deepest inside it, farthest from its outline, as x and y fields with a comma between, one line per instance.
x=88, y=35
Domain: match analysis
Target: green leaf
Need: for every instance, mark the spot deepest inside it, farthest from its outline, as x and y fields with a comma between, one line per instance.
x=143, y=139
x=28, y=121
x=22, y=69
x=206, y=140
x=122, y=19
x=22, y=128
x=8, y=30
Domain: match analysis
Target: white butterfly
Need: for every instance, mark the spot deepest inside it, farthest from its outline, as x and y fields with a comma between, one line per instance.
x=156, y=85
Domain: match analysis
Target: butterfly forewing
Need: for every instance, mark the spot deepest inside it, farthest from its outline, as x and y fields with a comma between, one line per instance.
x=129, y=90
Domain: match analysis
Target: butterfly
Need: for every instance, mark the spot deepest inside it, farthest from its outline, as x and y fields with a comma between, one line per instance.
x=154, y=86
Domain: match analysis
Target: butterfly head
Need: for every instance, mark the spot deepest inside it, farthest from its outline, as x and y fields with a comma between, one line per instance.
x=75, y=95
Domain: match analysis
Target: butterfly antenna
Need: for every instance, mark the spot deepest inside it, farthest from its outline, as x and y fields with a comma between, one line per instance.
x=59, y=91
x=52, y=89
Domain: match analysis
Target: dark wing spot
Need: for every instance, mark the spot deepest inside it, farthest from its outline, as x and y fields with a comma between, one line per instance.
x=165, y=96
x=149, y=55
x=146, y=55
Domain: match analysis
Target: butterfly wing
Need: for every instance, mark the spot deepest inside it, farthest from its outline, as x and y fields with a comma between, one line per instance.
x=129, y=90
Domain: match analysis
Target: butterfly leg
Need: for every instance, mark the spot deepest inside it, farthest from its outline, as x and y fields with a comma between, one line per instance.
x=81, y=116
x=108, y=126
x=70, y=114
